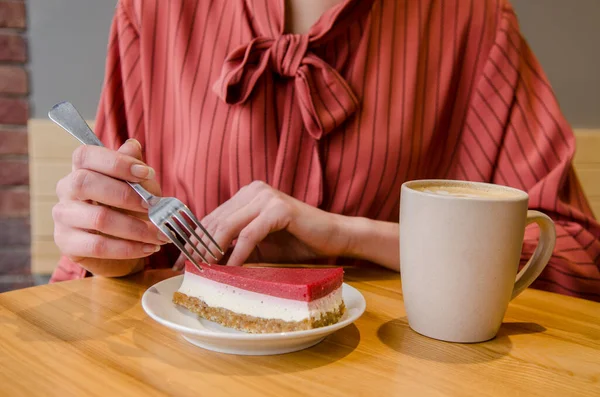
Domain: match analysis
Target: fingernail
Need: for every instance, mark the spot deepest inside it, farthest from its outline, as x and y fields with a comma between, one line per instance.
x=135, y=141
x=149, y=248
x=145, y=204
x=163, y=238
x=142, y=171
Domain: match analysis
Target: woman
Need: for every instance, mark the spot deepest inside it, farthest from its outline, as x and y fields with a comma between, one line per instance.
x=332, y=105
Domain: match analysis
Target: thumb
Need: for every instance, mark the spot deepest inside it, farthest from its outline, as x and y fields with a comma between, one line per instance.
x=132, y=147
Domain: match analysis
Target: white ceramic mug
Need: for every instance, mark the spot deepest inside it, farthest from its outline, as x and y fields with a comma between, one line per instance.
x=460, y=246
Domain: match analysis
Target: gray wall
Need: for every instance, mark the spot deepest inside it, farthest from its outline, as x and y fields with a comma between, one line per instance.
x=68, y=42
x=565, y=37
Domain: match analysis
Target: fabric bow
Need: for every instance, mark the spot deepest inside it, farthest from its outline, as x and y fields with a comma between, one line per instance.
x=326, y=100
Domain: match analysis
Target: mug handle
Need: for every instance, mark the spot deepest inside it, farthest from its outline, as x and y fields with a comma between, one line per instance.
x=542, y=254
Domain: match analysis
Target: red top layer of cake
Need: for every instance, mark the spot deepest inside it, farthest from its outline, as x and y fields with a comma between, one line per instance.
x=297, y=284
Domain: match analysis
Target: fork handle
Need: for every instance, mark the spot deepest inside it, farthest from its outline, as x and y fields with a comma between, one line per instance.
x=65, y=115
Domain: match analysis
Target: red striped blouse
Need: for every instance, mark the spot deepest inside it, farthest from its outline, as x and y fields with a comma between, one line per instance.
x=377, y=93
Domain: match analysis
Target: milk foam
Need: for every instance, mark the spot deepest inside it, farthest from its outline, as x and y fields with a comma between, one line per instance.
x=466, y=192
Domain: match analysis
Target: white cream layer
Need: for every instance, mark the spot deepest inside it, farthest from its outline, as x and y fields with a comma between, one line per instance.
x=255, y=304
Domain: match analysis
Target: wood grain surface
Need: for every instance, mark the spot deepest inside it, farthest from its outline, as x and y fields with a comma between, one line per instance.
x=91, y=338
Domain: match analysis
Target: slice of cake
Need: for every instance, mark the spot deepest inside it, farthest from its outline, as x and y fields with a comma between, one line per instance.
x=263, y=300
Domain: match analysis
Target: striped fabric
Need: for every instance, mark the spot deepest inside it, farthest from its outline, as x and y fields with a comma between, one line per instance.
x=377, y=93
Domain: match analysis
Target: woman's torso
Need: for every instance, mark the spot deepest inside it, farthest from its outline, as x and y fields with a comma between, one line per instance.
x=408, y=66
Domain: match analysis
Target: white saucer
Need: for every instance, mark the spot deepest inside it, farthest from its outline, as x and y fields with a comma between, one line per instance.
x=157, y=303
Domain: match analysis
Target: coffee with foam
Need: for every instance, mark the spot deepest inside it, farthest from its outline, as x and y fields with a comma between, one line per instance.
x=467, y=191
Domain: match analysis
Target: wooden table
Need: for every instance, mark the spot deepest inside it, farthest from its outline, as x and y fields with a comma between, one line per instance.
x=92, y=338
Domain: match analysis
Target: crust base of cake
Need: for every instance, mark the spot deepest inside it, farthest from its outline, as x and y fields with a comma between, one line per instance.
x=246, y=323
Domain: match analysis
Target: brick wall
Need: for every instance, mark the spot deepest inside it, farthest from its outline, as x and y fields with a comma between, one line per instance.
x=14, y=167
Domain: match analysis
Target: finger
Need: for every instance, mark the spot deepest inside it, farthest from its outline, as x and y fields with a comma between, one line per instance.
x=111, y=163
x=79, y=243
x=228, y=226
x=251, y=236
x=86, y=185
x=109, y=267
x=240, y=199
x=132, y=147
x=211, y=224
x=81, y=215
x=179, y=263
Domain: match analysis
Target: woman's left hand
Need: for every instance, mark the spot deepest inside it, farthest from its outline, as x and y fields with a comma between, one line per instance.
x=270, y=226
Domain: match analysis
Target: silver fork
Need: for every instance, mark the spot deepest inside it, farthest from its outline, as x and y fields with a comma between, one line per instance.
x=164, y=212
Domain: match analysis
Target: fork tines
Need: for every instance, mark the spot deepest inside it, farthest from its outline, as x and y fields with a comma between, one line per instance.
x=175, y=224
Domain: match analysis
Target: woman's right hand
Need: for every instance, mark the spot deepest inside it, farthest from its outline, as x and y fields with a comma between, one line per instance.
x=101, y=223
